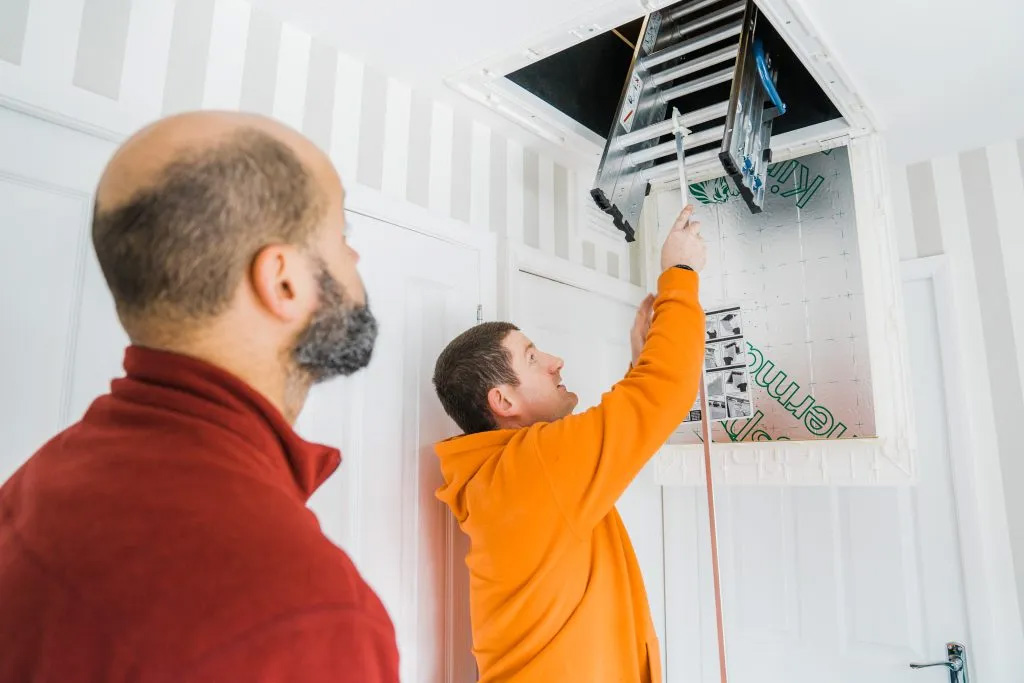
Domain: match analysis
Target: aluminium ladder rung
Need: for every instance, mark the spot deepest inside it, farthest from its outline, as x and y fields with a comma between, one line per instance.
x=723, y=76
x=692, y=140
x=680, y=12
x=656, y=130
x=688, y=46
x=726, y=54
x=675, y=33
x=670, y=169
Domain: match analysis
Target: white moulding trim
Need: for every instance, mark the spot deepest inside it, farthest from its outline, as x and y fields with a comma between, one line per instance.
x=825, y=462
x=797, y=29
x=521, y=258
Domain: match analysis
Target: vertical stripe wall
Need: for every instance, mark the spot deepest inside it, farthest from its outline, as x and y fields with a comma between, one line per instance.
x=118, y=64
x=967, y=205
x=13, y=22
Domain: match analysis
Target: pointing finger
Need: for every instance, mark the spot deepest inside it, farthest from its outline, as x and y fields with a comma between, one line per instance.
x=683, y=218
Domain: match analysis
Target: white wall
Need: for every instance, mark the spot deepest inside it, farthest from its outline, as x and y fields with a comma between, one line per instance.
x=967, y=205
x=115, y=65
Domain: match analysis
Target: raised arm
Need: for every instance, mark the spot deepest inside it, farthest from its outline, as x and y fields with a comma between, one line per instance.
x=591, y=458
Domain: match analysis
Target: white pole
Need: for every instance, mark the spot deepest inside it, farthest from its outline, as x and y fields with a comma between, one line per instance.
x=705, y=428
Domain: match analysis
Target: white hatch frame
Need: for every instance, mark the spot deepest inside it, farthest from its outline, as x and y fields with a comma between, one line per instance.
x=485, y=83
x=888, y=457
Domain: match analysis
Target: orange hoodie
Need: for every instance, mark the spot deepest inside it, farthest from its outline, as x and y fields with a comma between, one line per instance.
x=555, y=589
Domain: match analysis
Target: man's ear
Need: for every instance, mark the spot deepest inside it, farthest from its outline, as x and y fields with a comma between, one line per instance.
x=283, y=282
x=501, y=403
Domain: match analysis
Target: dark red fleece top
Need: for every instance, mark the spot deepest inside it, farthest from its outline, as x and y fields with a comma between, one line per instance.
x=165, y=537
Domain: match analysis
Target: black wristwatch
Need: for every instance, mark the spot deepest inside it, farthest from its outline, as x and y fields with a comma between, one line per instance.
x=685, y=267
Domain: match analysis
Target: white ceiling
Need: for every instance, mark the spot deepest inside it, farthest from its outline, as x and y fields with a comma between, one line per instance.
x=938, y=75
x=428, y=39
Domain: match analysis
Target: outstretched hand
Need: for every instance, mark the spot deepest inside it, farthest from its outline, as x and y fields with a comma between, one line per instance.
x=684, y=245
x=641, y=326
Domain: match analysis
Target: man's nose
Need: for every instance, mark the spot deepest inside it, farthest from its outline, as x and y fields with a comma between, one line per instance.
x=556, y=364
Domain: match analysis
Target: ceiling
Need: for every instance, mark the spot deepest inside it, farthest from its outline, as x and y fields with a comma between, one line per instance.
x=426, y=40
x=938, y=75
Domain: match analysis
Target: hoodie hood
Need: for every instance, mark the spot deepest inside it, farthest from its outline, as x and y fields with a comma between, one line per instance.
x=462, y=457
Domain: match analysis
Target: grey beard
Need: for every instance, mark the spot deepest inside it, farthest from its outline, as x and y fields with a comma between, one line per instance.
x=339, y=338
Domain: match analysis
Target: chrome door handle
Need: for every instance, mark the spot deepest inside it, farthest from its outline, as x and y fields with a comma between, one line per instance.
x=956, y=663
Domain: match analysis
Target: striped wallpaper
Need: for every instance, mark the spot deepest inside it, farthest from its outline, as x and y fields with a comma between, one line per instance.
x=118, y=64
x=968, y=206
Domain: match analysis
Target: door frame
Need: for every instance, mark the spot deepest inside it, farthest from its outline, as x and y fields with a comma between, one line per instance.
x=994, y=620
x=362, y=200
x=515, y=257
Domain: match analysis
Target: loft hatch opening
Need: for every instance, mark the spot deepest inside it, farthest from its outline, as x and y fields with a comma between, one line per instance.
x=586, y=80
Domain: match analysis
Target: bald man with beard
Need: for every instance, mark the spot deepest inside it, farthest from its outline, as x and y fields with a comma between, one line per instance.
x=166, y=537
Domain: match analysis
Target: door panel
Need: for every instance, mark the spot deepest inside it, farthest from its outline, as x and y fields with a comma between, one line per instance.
x=830, y=584
x=382, y=509
x=47, y=176
x=41, y=226
x=100, y=341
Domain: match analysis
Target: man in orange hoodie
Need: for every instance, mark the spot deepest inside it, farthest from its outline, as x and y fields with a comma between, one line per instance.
x=555, y=589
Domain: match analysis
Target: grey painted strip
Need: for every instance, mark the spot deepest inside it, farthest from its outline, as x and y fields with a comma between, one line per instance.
x=102, y=40
x=531, y=198
x=997, y=332
x=421, y=115
x=13, y=21
x=259, y=76
x=635, y=274
x=613, y=265
x=589, y=256
x=499, y=185
x=561, y=211
x=924, y=208
x=370, y=167
x=318, y=120
x=186, y=63
x=462, y=143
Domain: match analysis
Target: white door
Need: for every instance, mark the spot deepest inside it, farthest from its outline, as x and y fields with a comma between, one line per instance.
x=827, y=584
x=61, y=345
x=590, y=332
x=382, y=509
x=61, y=342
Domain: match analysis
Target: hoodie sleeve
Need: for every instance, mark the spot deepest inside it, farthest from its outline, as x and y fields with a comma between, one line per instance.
x=590, y=458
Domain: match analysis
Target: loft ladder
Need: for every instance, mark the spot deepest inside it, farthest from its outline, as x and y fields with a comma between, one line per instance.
x=688, y=48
